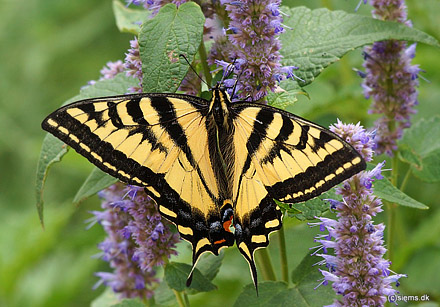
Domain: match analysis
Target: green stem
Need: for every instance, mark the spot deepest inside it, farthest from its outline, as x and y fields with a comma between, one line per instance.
x=179, y=298
x=185, y=296
x=391, y=210
x=327, y=4
x=283, y=255
x=394, y=170
x=390, y=225
x=204, y=60
x=265, y=264
x=405, y=179
x=182, y=300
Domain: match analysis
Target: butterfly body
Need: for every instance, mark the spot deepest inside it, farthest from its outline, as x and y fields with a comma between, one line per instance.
x=213, y=167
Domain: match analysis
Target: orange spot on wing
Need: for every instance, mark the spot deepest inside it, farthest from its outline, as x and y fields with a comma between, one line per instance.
x=220, y=241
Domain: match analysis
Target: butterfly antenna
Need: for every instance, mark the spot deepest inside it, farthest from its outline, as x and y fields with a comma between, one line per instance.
x=236, y=81
x=192, y=68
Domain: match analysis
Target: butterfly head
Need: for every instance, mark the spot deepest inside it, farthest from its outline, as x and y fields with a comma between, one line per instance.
x=219, y=106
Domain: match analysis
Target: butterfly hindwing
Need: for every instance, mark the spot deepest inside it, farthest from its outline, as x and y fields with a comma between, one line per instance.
x=157, y=141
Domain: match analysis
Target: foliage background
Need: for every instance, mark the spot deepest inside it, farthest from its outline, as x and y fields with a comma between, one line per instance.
x=49, y=49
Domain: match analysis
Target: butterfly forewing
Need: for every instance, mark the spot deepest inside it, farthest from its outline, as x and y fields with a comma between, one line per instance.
x=295, y=159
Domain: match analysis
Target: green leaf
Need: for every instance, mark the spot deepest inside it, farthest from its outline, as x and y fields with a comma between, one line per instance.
x=270, y=293
x=321, y=37
x=107, y=298
x=51, y=152
x=173, y=31
x=306, y=277
x=421, y=149
x=311, y=208
x=119, y=85
x=97, y=181
x=132, y=302
x=209, y=265
x=387, y=191
x=53, y=149
x=129, y=20
x=164, y=296
x=285, y=94
x=176, y=274
x=303, y=293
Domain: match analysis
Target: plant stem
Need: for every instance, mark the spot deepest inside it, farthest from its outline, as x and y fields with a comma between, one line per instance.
x=391, y=211
x=146, y=302
x=326, y=3
x=179, y=299
x=204, y=60
x=185, y=296
x=283, y=255
x=405, y=179
x=265, y=264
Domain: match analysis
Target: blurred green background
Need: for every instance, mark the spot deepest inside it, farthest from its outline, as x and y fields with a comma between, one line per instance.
x=49, y=49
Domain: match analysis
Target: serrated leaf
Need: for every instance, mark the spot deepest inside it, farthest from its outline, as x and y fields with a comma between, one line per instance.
x=321, y=37
x=270, y=293
x=173, y=31
x=421, y=149
x=177, y=273
x=306, y=277
x=95, y=182
x=209, y=265
x=129, y=20
x=385, y=190
x=119, y=85
x=51, y=152
x=53, y=149
x=311, y=208
x=285, y=95
x=164, y=296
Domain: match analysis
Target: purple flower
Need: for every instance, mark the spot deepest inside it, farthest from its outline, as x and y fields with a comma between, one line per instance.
x=357, y=136
x=252, y=40
x=358, y=271
x=154, y=5
x=390, y=79
x=133, y=64
x=138, y=240
x=112, y=69
x=109, y=71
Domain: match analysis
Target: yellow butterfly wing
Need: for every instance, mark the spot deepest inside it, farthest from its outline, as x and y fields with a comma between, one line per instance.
x=157, y=141
x=280, y=156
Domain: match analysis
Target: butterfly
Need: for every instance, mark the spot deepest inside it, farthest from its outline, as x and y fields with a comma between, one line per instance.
x=213, y=167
